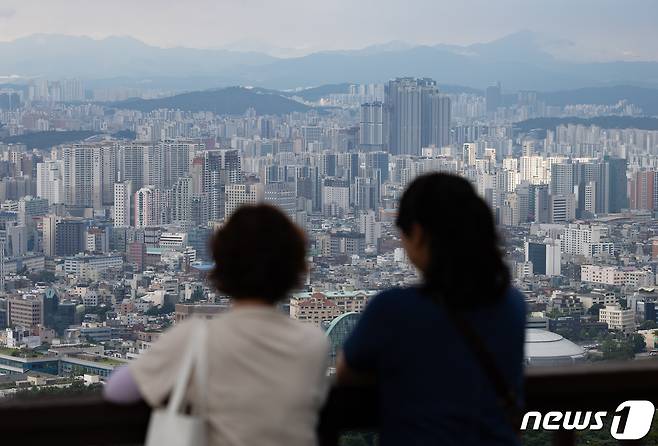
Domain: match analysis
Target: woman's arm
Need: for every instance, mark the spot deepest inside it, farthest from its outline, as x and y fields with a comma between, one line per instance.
x=346, y=376
x=121, y=388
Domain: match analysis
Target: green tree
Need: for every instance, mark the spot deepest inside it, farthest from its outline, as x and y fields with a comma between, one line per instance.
x=594, y=310
x=648, y=325
x=160, y=310
x=637, y=343
x=43, y=276
x=615, y=349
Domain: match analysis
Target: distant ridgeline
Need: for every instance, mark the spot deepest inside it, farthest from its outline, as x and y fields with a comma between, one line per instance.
x=225, y=101
x=44, y=140
x=606, y=122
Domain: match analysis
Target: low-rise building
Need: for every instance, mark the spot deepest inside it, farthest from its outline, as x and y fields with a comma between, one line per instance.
x=319, y=308
x=618, y=318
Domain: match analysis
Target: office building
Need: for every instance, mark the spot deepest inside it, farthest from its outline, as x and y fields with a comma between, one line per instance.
x=70, y=236
x=240, y=194
x=25, y=310
x=545, y=256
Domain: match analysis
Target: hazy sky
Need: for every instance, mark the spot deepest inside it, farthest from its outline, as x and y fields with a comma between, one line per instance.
x=599, y=29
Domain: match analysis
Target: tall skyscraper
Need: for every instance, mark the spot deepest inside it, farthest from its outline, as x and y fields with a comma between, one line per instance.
x=2, y=266
x=542, y=203
x=78, y=170
x=182, y=197
x=644, y=190
x=130, y=164
x=49, y=227
x=378, y=161
x=103, y=175
x=562, y=178
x=435, y=115
x=403, y=101
x=419, y=116
x=146, y=204
x=618, y=184
x=373, y=126
x=493, y=98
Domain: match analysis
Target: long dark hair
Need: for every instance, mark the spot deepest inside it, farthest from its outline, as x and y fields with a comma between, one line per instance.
x=466, y=264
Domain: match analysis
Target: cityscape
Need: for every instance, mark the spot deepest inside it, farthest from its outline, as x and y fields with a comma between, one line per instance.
x=106, y=239
x=111, y=189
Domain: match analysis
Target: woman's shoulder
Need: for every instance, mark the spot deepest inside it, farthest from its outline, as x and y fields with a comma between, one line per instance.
x=397, y=292
x=515, y=299
x=394, y=298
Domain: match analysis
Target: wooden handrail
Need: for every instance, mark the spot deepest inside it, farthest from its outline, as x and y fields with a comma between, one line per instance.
x=90, y=420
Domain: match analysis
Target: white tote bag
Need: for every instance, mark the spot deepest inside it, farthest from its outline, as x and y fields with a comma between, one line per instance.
x=170, y=426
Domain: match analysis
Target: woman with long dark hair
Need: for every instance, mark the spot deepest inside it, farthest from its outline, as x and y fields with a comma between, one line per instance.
x=446, y=355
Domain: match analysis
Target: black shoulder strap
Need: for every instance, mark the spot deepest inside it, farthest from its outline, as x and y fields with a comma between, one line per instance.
x=507, y=397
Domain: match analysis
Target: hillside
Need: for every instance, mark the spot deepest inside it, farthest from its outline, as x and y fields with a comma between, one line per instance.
x=46, y=140
x=646, y=98
x=606, y=122
x=225, y=101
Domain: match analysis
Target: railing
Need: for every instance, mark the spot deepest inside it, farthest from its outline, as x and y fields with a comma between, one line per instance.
x=89, y=420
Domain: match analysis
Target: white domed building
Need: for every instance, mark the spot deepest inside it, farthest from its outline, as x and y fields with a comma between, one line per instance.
x=545, y=348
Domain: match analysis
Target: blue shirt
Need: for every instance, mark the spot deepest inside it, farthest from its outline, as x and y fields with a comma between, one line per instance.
x=432, y=388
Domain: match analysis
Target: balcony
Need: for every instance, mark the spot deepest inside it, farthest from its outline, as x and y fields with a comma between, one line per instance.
x=91, y=421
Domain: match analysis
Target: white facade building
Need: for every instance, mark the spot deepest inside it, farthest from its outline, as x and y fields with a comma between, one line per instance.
x=615, y=276
x=617, y=318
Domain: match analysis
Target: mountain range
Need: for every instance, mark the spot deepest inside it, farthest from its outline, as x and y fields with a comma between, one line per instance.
x=523, y=60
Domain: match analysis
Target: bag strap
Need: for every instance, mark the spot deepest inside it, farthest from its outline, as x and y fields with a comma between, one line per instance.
x=193, y=355
x=507, y=397
x=201, y=370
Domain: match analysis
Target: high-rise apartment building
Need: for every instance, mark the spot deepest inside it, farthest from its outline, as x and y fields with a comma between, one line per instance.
x=182, y=200
x=50, y=181
x=435, y=115
x=335, y=197
x=123, y=195
x=373, y=126
x=644, y=190
x=49, y=236
x=403, y=101
x=147, y=207
x=419, y=116
x=562, y=178
x=78, y=170
x=493, y=98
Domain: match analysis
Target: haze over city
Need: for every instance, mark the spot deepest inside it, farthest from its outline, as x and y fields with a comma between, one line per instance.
x=601, y=30
x=275, y=202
